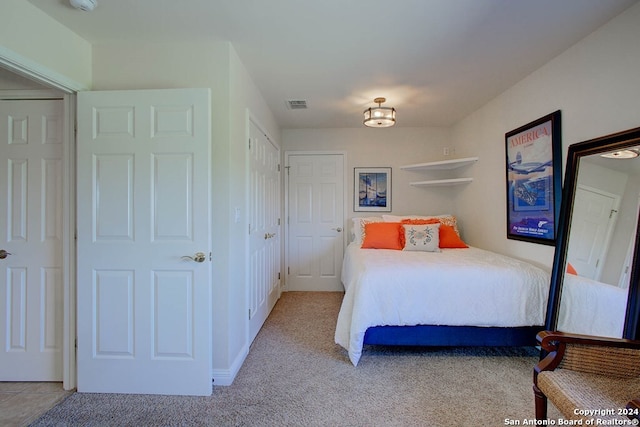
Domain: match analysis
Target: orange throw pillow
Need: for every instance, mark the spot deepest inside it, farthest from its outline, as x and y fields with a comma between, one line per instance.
x=571, y=270
x=449, y=238
x=382, y=235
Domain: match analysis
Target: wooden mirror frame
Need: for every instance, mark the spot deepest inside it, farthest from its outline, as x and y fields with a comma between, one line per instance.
x=614, y=142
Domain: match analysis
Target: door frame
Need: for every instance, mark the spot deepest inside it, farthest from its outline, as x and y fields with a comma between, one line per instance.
x=61, y=87
x=287, y=155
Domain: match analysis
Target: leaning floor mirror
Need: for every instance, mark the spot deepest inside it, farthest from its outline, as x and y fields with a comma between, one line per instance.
x=594, y=282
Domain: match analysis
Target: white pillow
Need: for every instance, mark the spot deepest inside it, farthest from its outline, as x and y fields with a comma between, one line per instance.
x=425, y=237
x=358, y=227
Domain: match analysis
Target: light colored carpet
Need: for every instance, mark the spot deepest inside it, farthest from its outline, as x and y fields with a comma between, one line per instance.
x=295, y=375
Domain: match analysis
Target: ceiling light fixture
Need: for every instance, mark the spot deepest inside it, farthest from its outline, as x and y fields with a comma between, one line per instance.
x=85, y=5
x=379, y=117
x=624, y=154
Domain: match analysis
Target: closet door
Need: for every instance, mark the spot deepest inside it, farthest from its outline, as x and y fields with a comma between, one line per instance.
x=31, y=266
x=264, y=228
x=315, y=221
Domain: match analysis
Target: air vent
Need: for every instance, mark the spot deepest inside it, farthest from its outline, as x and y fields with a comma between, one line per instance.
x=297, y=104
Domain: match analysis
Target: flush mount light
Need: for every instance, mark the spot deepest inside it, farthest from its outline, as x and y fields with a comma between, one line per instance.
x=85, y=5
x=624, y=154
x=379, y=117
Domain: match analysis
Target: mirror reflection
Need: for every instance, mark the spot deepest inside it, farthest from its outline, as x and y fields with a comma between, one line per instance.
x=601, y=238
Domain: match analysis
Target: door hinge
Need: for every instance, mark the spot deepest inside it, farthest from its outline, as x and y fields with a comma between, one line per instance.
x=278, y=275
x=249, y=313
x=249, y=143
x=278, y=168
x=288, y=270
x=278, y=221
x=76, y=344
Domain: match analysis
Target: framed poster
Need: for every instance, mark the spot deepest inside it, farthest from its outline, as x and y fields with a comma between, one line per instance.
x=534, y=183
x=372, y=190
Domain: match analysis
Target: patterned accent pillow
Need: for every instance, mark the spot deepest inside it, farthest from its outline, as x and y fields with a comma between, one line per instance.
x=425, y=237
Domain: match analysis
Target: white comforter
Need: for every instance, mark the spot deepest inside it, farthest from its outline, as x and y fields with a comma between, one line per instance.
x=592, y=308
x=472, y=287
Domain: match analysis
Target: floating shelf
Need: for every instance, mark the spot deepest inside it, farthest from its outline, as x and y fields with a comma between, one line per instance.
x=440, y=165
x=441, y=182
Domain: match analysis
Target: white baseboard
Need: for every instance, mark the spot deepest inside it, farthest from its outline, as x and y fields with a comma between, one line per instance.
x=225, y=377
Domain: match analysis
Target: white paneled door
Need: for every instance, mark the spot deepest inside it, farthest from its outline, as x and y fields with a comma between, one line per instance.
x=31, y=240
x=264, y=228
x=594, y=217
x=144, y=270
x=316, y=222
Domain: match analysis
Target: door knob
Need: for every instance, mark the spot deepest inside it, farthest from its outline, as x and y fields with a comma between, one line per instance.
x=339, y=229
x=3, y=254
x=198, y=257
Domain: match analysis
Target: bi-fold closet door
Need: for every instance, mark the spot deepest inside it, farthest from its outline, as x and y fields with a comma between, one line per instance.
x=264, y=227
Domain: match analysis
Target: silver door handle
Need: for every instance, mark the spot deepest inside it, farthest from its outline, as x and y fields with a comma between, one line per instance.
x=3, y=254
x=198, y=257
x=339, y=229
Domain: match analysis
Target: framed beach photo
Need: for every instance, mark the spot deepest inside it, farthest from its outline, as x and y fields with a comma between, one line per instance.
x=534, y=182
x=372, y=190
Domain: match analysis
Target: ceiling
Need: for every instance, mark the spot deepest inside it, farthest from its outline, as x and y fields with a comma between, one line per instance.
x=435, y=61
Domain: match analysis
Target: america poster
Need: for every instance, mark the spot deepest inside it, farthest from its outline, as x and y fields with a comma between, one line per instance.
x=534, y=180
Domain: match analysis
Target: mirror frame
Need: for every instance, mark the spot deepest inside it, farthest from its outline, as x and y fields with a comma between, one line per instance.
x=613, y=142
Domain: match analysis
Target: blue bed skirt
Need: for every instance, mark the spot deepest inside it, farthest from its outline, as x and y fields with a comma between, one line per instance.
x=452, y=336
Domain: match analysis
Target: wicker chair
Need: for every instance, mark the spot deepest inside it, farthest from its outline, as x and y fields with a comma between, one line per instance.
x=587, y=377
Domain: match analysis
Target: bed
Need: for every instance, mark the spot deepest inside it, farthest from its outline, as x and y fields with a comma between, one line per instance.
x=439, y=296
x=590, y=307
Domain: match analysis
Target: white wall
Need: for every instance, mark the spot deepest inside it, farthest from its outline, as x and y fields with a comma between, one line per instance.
x=594, y=83
x=391, y=147
x=245, y=99
x=213, y=65
x=29, y=35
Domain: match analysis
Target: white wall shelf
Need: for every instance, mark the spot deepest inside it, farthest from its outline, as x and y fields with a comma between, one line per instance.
x=440, y=165
x=441, y=182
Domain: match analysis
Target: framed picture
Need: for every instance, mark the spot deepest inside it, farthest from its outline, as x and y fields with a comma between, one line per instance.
x=372, y=190
x=534, y=185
